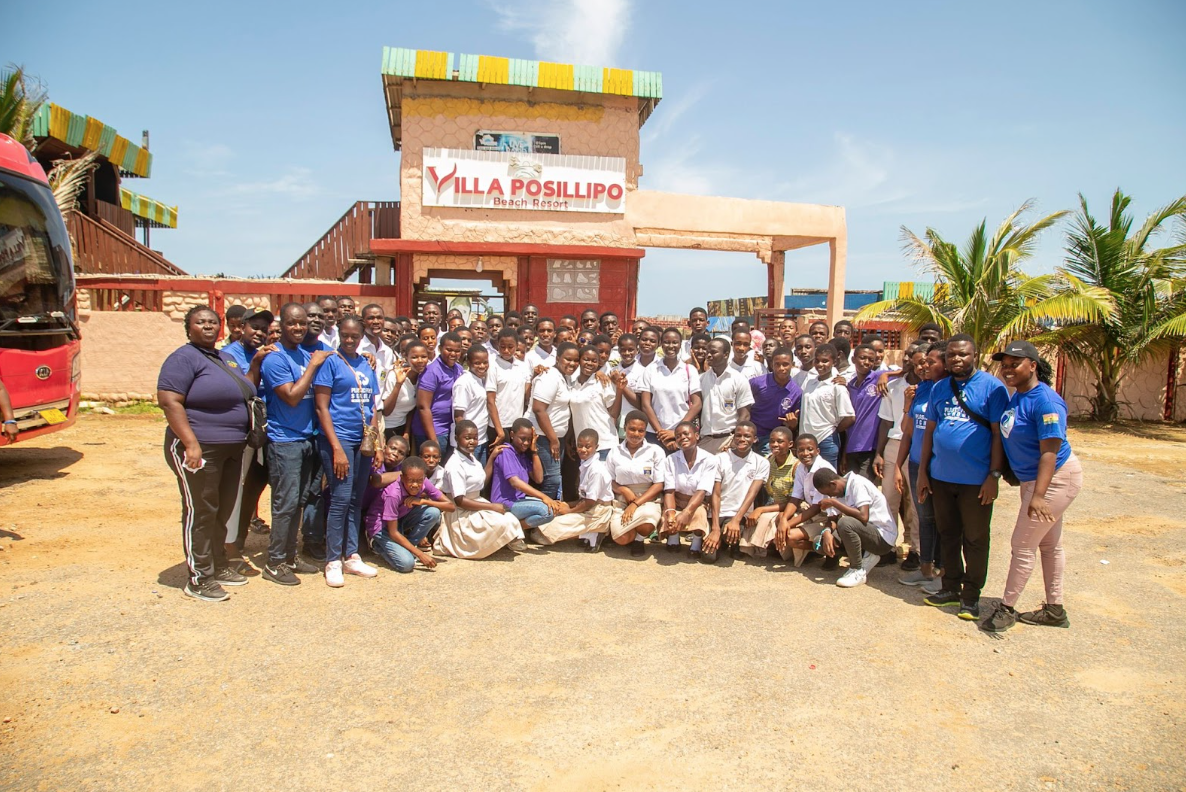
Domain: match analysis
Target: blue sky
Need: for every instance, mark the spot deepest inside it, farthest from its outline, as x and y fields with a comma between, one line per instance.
x=268, y=120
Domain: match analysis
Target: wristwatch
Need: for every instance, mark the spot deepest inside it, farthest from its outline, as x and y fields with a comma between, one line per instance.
x=995, y=474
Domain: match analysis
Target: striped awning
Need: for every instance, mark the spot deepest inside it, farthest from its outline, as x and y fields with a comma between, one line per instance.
x=156, y=213
x=86, y=132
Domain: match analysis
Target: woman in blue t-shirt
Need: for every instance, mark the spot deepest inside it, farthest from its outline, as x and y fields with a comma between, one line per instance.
x=344, y=391
x=1034, y=435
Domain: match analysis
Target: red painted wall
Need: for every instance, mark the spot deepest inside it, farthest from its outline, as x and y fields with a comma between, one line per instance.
x=619, y=287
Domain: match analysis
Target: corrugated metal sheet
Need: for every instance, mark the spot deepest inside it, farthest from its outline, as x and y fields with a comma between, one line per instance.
x=149, y=209
x=90, y=133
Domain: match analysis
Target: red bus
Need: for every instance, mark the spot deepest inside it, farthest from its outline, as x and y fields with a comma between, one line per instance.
x=39, y=339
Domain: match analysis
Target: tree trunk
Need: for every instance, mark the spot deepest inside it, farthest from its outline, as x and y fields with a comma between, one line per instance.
x=1106, y=407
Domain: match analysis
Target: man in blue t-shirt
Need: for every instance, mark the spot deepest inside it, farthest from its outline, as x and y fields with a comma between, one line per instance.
x=960, y=471
x=292, y=459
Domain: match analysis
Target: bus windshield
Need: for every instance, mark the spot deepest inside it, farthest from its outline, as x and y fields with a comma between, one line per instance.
x=36, y=276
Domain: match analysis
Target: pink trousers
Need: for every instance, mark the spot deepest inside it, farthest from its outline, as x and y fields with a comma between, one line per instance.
x=1032, y=536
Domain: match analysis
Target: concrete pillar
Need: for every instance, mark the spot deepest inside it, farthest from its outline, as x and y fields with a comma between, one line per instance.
x=838, y=255
x=775, y=273
x=382, y=271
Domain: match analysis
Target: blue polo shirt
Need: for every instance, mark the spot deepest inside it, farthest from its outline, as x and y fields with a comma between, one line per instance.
x=287, y=424
x=351, y=397
x=242, y=356
x=961, y=447
x=1031, y=417
x=918, y=419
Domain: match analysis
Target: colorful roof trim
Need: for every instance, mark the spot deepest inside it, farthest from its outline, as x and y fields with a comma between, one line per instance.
x=155, y=212
x=93, y=135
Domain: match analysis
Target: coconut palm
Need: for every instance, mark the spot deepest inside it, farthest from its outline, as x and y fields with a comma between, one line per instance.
x=1146, y=284
x=981, y=290
x=20, y=99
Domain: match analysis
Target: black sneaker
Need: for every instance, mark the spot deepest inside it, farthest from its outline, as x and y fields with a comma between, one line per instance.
x=969, y=611
x=944, y=599
x=638, y=548
x=1046, y=616
x=245, y=569
x=229, y=577
x=208, y=591
x=281, y=574
x=912, y=562
x=1002, y=618
x=315, y=550
x=302, y=567
x=888, y=559
x=259, y=526
x=830, y=563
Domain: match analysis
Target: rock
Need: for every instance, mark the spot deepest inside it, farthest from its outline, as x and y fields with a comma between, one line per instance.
x=114, y=710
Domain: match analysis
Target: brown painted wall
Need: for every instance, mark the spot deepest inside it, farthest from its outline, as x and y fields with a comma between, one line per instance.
x=122, y=353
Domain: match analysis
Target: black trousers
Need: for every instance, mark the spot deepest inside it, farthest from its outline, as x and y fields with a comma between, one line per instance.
x=861, y=463
x=254, y=485
x=207, y=499
x=964, y=525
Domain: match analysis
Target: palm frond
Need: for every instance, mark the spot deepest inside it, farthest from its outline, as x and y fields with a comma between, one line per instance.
x=68, y=178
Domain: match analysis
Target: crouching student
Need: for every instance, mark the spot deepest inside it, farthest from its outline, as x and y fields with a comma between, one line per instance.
x=864, y=526
x=741, y=474
x=515, y=474
x=384, y=470
x=412, y=507
x=689, y=476
x=477, y=527
x=636, y=471
x=589, y=518
x=803, y=520
x=762, y=523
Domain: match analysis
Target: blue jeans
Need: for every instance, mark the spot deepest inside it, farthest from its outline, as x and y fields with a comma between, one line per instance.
x=345, y=499
x=442, y=441
x=481, y=452
x=829, y=449
x=531, y=511
x=928, y=533
x=762, y=445
x=292, y=467
x=314, y=502
x=550, y=486
x=414, y=525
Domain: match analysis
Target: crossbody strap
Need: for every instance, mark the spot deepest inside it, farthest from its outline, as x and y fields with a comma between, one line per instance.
x=959, y=397
x=361, y=410
x=244, y=386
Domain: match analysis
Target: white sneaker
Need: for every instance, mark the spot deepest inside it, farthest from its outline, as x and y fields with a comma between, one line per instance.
x=934, y=587
x=854, y=577
x=356, y=566
x=869, y=561
x=333, y=574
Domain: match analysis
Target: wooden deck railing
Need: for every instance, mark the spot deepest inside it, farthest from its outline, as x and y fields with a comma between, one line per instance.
x=101, y=248
x=338, y=253
x=118, y=216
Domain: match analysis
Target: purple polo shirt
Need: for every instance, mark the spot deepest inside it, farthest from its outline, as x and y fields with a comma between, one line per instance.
x=392, y=507
x=438, y=380
x=509, y=463
x=862, y=435
x=771, y=401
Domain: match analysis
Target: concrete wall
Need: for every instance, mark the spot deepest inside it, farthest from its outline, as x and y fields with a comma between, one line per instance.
x=1142, y=391
x=122, y=353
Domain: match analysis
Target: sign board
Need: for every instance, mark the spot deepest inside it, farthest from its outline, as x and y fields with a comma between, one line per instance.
x=536, y=182
x=574, y=281
x=517, y=142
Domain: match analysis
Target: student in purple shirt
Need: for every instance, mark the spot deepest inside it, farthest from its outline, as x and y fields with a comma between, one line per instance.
x=860, y=446
x=514, y=467
x=433, y=416
x=412, y=507
x=776, y=399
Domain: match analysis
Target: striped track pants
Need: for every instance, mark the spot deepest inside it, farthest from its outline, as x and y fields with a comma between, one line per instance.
x=207, y=499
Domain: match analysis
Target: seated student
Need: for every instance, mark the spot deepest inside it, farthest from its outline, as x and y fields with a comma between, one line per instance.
x=803, y=520
x=477, y=528
x=636, y=470
x=430, y=452
x=515, y=467
x=384, y=470
x=689, y=476
x=826, y=409
x=469, y=398
x=741, y=474
x=589, y=518
x=864, y=525
x=412, y=507
x=762, y=523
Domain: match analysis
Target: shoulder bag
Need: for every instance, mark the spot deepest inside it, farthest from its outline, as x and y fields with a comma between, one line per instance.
x=257, y=411
x=1006, y=469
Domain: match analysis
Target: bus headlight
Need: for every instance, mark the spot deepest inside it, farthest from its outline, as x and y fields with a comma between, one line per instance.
x=76, y=369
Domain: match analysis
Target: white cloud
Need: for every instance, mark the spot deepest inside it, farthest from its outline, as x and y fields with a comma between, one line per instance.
x=584, y=32
x=207, y=159
x=295, y=183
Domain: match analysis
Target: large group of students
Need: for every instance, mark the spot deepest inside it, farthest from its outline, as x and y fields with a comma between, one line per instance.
x=413, y=442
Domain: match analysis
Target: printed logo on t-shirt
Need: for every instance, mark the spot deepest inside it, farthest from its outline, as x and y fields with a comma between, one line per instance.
x=646, y=471
x=1008, y=419
x=729, y=405
x=920, y=418
x=953, y=412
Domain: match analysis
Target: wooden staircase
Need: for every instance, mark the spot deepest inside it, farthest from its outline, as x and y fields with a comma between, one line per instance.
x=101, y=248
x=346, y=247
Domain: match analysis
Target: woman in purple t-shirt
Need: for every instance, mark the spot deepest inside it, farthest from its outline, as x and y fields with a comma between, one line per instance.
x=514, y=467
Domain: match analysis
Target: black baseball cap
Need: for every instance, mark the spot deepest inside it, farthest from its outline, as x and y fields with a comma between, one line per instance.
x=1020, y=349
x=263, y=314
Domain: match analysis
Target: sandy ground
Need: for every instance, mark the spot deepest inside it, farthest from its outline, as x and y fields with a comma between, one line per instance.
x=564, y=670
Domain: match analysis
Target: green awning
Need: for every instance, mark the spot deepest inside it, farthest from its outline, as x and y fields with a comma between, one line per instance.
x=89, y=133
x=156, y=213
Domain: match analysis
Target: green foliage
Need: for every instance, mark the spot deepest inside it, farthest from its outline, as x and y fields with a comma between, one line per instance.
x=20, y=99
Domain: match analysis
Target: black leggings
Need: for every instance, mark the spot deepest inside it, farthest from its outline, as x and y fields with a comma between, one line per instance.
x=207, y=499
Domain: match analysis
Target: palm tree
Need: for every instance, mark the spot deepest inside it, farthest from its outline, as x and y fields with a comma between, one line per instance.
x=982, y=291
x=1146, y=284
x=20, y=99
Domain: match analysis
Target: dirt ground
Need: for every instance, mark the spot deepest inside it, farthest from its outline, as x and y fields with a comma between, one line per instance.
x=559, y=669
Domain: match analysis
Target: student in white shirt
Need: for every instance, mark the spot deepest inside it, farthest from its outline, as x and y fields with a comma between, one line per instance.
x=508, y=382
x=843, y=362
x=543, y=354
x=589, y=519
x=372, y=343
x=889, y=439
x=697, y=323
x=636, y=468
x=469, y=399
x=803, y=520
x=689, y=477
x=478, y=527
x=744, y=361
x=670, y=392
x=826, y=409
x=726, y=396
x=550, y=414
x=741, y=475
x=804, y=360
x=329, y=330
x=864, y=525
x=401, y=400
x=596, y=401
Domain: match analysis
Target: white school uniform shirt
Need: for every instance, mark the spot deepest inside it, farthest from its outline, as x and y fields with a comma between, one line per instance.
x=887, y=367
x=437, y=478
x=671, y=391
x=804, y=486
x=385, y=360
x=469, y=395
x=824, y=404
x=893, y=405
x=640, y=469
x=536, y=356
x=489, y=345
x=463, y=475
x=555, y=390
x=508, y=380
x=848, y=371
x=405, y=402
x=595, y=481
x=736, y=474
x=329, y=336
x=686, y=480
x=802, y=375
x=859, y=492
x=722, y=397
x=589, y=404
x=749, y=369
